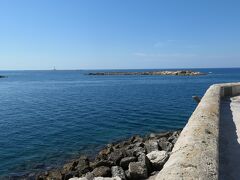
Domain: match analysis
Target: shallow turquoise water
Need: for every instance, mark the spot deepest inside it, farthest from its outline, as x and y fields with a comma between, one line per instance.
x=47, y=117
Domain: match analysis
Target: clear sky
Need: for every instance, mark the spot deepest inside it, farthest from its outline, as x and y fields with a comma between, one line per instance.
x=103, y=34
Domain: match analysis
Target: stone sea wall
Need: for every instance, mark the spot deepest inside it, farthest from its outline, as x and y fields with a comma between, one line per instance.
x=195, y=154
x=133, y=159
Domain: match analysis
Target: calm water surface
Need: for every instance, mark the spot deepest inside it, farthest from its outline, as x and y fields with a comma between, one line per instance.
x=47, y=117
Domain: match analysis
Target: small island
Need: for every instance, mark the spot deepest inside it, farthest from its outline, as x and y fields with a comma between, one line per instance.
x=159, y=73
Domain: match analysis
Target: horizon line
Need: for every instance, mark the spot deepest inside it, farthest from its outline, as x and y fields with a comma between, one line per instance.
x=86, y=69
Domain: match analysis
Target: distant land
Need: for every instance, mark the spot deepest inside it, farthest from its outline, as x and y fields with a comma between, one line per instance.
x=159, y=73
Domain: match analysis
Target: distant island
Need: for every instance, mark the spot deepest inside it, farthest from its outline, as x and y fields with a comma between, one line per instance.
x=1, y=76
x=159, y=73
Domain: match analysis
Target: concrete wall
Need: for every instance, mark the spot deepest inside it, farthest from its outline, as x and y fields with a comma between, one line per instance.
x=195, y=154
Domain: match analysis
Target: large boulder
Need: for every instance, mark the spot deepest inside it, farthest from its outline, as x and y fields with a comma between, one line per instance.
x=165, y=145
x=158, y=159
x=102, y=171
x=118, y=171
x=125, y=161
x=138, y=170
x=151, y=145
x=116, y=156
x=144, y=160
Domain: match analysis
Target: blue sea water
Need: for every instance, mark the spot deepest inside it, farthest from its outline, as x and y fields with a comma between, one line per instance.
x=47, y=117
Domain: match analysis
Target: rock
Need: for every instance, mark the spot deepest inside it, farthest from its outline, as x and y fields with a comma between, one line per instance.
x=89, y=176
x=54, y=175
x=151, y=145
x=68, y=176
x=107, y=150
x=2, y=76
x=152, y=135
x=69, y=167
x=118, y=171
x=138, y=170
x=101, y=163
x=102, y=171
x=165, y=145
x=144, y=159
x=136, y=139
x=83, y=165
x=115, y=157
x=132, y=146
x=136, y=151
x=106, y=178
x=71, y=174
x=127, y=173
x=173, y=138
x=121, y=145
x=158, y=159
x=121, y=154
x=125, y=161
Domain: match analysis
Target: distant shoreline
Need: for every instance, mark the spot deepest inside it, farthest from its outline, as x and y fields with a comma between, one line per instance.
x=158, y=73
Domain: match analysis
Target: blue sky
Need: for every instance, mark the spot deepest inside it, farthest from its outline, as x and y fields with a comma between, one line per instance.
x=106, y=34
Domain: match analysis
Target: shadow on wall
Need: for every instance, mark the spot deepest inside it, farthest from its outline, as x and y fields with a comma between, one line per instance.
x=229, y=147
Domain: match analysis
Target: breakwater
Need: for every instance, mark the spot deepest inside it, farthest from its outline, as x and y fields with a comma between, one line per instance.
x=135, y=158
x=196, y=153
x=159, y=73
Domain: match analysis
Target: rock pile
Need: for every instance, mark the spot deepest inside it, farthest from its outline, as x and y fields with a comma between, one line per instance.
x=133, y=159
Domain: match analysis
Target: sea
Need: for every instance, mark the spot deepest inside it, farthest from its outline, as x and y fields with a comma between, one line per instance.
x=50, y=117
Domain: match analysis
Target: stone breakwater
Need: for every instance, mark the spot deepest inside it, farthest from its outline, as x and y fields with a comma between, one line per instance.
x=159, y=73
x=133, y=159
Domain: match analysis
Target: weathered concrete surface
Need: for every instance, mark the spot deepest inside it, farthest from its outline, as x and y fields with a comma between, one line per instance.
x=196, y=154
x=229, y=139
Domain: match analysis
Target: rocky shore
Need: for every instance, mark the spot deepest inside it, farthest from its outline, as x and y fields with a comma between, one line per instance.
x=159, y=73
x=133, y=159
